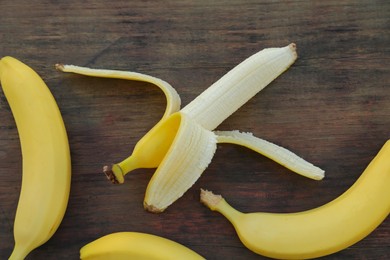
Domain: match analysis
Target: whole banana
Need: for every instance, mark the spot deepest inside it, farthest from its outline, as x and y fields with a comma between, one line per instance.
x=320, y=231
x=182, y=144
x=135, y=245
x=45, y=152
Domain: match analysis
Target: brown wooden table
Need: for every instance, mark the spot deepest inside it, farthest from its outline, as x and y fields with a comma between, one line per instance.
x=332, y=107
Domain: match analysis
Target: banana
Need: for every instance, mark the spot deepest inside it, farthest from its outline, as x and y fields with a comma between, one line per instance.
x=135, y=245
x=182, y=144
x=239, y=85
x=320, y=231
x=45, y=152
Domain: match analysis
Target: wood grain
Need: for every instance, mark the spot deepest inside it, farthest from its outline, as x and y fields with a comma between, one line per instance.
x=331, y=107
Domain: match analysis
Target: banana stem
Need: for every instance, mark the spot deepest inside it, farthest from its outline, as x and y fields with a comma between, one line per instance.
x=218, y=203
x=115, y=177
x=116, y=173
x=18, y=253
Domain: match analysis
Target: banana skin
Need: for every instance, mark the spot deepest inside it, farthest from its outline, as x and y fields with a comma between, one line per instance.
x=136, y=245
x=320, y=231
x=46, y=170
x=182, y=144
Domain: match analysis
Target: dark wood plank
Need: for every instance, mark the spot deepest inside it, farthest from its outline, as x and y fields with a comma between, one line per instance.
x=332, y=107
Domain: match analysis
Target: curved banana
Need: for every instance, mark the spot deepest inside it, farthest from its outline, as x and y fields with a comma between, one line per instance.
x=320, y=231
x=182, y=144
x=134, y=245
x=239, y=85
x=46, y=157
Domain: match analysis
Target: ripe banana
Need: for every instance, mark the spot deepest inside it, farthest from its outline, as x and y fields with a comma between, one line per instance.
x=182, y=143
x=239, y=85
x=134, y=245
x=320, y=231
x=46, y=157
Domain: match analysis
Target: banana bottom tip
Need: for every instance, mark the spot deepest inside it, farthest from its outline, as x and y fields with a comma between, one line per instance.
x=152, y=208
x=107, y=170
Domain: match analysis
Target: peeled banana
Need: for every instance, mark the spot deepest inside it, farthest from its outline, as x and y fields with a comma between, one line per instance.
x=135, y=245
x=45, y=152
x=182, y=143
x=239, y=85
x=320, y=231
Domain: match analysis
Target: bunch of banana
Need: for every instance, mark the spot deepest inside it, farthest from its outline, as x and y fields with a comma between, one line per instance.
x=320, y=231
x=182, y=144
x=135, y=245
x=45, y=152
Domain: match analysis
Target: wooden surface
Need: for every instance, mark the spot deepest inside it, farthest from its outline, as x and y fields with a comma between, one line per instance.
x=332, y=107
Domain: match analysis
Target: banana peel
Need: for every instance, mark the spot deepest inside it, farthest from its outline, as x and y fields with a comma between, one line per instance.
x=182, y=144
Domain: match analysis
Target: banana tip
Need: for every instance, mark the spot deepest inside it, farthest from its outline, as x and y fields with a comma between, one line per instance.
x=209, y=199
x=293, y=48
x=110, y=174
x=152, y=209
x=59, y=66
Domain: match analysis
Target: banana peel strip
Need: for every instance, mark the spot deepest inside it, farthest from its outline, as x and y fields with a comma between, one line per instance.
x=189, y=155
x=274, y=152
x=173, y=98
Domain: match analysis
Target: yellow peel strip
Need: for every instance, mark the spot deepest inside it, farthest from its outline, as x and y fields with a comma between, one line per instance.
x=173, y=99
x=276, y=153
x=189, y=155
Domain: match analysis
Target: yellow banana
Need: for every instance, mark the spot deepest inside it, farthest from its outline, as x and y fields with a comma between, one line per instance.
x=320, y=231
x=46, y=157
x=182, y=144
x=134, y=245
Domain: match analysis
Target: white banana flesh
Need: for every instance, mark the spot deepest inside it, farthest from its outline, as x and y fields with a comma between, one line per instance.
x=46, y=157
x=239, y=85
x=170, y=142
